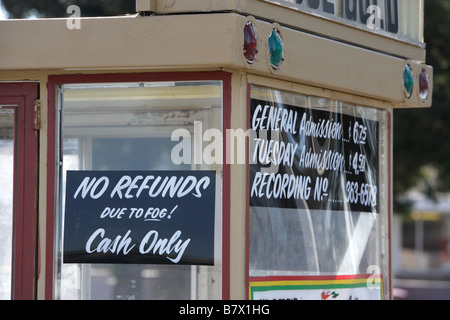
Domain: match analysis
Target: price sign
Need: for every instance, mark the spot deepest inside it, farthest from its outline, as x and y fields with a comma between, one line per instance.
x=316, y=159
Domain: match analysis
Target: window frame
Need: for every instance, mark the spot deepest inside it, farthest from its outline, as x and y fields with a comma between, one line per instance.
x=54, y=149
x=25, y=255
x=306, y=90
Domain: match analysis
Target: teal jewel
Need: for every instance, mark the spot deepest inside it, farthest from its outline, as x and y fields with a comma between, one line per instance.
x=275, y=49
x=408, y=81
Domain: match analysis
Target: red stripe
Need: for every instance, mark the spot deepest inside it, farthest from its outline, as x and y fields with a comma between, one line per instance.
x=313, y=278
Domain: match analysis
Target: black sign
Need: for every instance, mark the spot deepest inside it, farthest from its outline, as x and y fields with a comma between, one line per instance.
x=155, y=217
x=307, y=158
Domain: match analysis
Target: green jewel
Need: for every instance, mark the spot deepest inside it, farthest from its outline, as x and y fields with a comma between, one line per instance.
x=408, y=81
x=275, y=49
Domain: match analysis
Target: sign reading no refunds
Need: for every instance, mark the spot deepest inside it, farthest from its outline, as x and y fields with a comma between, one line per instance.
x=157, y=217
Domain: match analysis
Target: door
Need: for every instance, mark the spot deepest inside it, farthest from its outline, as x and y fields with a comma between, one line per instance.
x=18, y=179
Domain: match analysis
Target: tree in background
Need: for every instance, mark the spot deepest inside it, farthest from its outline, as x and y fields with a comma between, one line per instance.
x=57, y=8
x=421, y=136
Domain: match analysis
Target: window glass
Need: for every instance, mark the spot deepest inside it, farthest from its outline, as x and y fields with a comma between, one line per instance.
x=129, y=127
x=6, y=199
x=318, y=189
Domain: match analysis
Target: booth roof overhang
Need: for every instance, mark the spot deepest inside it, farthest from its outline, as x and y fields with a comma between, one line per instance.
x=317, y=52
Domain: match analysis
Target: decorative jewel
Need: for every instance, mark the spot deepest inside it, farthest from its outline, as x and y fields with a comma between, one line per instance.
x=250, y=42
x=408, y=81
x=423, y=85
x=275, y=44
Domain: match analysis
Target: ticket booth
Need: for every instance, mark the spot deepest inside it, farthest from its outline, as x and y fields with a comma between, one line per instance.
x=234, y=149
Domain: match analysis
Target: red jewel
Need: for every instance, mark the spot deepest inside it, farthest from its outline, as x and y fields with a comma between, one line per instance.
x=423, y=84
x=250, y=42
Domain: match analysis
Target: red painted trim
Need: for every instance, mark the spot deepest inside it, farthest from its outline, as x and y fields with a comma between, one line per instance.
x=314, y=278
x=247, y=200
x=53, y=81
x=25, y=188
x=226, y=185
x=136, y=77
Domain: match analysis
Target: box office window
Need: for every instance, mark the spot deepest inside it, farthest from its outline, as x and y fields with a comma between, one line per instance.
x=318, y=218
x=133, y=222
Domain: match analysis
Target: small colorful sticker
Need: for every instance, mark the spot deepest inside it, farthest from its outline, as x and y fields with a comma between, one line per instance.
x=346, y=287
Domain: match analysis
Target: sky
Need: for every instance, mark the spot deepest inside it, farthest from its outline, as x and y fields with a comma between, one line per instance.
x=2, y=12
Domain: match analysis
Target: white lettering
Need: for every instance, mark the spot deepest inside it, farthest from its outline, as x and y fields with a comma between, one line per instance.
x=151, y=244
x=281, y=186
x=273, y=118
x=274, y=152
x=171, y=186
x=324, y=160
x=327, y=129
x=182, y=152
x=107, y=245
x=92, y=185
x=74, y=21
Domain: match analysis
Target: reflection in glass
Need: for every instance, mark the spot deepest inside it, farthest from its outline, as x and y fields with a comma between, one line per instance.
x=327, y=239
x=6, y=199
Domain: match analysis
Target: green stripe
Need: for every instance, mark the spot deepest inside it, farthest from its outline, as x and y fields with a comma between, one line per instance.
x=308, y=287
